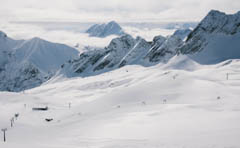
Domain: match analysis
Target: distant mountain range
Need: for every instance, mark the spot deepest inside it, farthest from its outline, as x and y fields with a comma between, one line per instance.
x=104, y=30
x=27, y=64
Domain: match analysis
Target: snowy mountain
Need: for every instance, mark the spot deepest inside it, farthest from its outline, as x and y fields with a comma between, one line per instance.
x=124, y=50
x=6, y=47
x=149, y=95
x=215, y=39
x=27, y=64
x=104, y=30
x=162, y=50
x=45, y=55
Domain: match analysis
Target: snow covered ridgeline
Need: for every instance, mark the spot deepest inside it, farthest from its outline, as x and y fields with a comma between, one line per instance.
x=27, y=64
x=122, y=51
x=215, y=39
x=104, y=30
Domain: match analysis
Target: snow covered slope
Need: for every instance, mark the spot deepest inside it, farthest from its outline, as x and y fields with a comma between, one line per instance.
x=46, y=56
x=215, y=39
x=27, y=64
x=126, y=108
x=122, y=51
x=104, y=30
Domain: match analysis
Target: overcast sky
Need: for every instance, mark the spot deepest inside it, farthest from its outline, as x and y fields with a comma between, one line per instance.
x=119, y=10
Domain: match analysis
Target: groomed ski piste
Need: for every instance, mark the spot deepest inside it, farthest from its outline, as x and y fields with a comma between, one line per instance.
x=180, y=104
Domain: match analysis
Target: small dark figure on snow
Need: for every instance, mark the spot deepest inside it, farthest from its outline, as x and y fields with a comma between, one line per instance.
x=49, y=119
x=16, y=115
x=12, y=121
x=164, y=101
x=40, y=108
x=143, y=102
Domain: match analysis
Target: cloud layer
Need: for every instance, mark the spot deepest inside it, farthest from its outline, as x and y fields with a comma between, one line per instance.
x=120, y=10
x=100, y=11
x=73, y=33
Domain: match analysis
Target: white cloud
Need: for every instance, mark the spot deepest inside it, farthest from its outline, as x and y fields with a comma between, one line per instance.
x=73, y=33
x=65, y=36
x=121, y=10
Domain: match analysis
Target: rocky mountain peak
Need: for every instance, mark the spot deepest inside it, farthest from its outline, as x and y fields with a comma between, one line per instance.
x=215, y=39
x=104, y=30
x=124, y=42
x=217, y=22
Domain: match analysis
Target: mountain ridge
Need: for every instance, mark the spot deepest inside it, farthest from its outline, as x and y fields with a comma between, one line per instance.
x=217, y=28
x=26, y=64
x=124, y=50
x=215, y=39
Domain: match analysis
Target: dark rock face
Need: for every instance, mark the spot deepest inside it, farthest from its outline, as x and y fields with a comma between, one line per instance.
x=164, y=48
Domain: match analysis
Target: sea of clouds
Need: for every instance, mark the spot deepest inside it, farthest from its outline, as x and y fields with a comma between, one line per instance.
x=73, y=33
